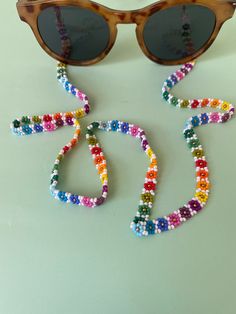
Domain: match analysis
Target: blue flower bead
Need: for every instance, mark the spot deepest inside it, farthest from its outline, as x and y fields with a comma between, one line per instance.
x=124, y=127
x=62, y=196
x=162, y=224
x=26, y=129
x=114, y=125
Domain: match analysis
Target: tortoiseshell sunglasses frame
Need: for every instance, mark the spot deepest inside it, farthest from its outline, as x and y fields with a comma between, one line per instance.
x=29, y=11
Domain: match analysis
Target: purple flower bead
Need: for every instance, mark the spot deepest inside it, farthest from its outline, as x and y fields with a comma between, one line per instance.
x=87, y=109
x=195, y=205
x=185, y=212
x=189, y=66
x=69, y=121
x=105, y=188
x=144, y=144
x=174, y=78
x=100, y=201
x=225, y=117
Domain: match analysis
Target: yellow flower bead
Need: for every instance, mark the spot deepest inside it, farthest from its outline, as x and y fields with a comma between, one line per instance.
x=79, y=113
x=104, y=177
x=76, y=123
x=149, y=152
x=202, y=197
x=225, y=106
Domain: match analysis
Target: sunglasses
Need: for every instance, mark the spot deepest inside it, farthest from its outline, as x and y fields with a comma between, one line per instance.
x=82, y=32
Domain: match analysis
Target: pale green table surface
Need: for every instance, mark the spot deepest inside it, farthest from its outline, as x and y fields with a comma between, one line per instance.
x=60, y=259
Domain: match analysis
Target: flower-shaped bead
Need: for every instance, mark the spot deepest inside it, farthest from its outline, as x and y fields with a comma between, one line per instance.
x=214, y=117
x=204, y=118
x=62, y=196
x=125, y=127
x=134, y=130
x=198, y=153
x=147, y=197
x=138, y=229
x=195, y=205
x=202, y=197
x=26, y=129
x=144, y=210
x=174, y=220
x=38, y=128
x=114, y=125
x=86, y=201
x=74, y=199
x=201, y=163
x=185, y=212
x=150, y=227
x=195, y=121
x=149, y=186
x=203, y=185
x=188, y=133
x=162, y=224
x=96, y=150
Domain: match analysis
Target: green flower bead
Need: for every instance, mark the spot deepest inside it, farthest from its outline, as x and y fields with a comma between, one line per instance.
x=95, y=125
x=147, y=198
x=194, y=143
x=16, y=123
x=25, y=120
x=174, y=101
x=89, y=132
x=188, y=133
x=198, y=153
x=55, y=167
x=55, y=178
x=138, y=219
x=144, y=210
x=166, y=95
x=184, y=103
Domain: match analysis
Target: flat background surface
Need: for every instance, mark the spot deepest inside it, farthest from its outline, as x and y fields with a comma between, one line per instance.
x=56, y=258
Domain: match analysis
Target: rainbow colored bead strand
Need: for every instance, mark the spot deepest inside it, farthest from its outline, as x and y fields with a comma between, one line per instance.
x=141, y=224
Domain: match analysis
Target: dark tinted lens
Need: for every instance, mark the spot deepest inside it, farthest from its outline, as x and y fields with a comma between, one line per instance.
x=73, y=32
x=177, y=32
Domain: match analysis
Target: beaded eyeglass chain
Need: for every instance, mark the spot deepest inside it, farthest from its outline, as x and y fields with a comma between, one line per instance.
x=142, y=225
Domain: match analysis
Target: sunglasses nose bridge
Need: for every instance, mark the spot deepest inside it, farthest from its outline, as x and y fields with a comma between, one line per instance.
x=129, y=17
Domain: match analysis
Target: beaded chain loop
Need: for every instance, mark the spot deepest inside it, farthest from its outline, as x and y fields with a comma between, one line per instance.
x=142, y=225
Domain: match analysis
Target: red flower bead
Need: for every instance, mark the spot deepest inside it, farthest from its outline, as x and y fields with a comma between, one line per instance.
x=47, y=118
x=195, y=104
x=96, y=150
x=150, y=186
x=65, y=149
x=201, y=163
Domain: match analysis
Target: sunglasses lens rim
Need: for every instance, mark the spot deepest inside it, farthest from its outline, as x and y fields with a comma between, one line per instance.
x=72, y=14
x=154, y=53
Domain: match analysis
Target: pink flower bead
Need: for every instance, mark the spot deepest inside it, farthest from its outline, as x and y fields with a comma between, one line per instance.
x=86, y=201
x=215, y=117
x=80, y=95
x=134, y=130
x=180, y=75
x=49, y=126
x=174, y=220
